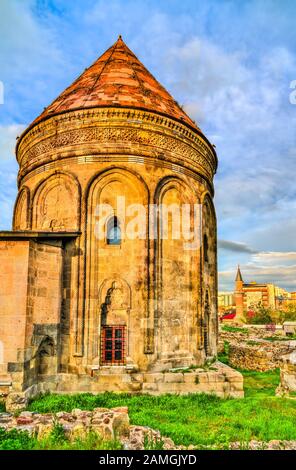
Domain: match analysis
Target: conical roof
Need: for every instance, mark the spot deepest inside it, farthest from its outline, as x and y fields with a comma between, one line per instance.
x=117, y=78
x=238, y=275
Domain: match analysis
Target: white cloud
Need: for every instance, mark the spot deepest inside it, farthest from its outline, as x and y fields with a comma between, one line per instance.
x=8, y=136
x=277, y=268
x=222, y=61
x=8, y=173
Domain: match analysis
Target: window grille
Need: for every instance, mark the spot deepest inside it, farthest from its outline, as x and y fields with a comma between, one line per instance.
x=113, y=345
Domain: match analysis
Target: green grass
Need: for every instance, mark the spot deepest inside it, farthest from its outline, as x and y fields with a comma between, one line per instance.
x=256, y=384
x=21, y=440
x=280, y=338
x=2, y=406
x=260, y=384
x=201, y=420
x=252, y=343
x=235, y=329
x=223, y=357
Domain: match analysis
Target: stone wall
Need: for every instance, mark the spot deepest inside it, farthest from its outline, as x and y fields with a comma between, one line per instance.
x=135, y=155
x=260, y=356
x=217, y=379
x=14, y=258
x=249, y=350
x=30, y=300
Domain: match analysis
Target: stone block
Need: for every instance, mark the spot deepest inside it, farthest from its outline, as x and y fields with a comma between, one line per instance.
x=149, y=387
x=173, y=377
x=191, y=377
x=154, y=377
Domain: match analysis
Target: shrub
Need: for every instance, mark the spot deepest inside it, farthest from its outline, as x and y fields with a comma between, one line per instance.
x=260, y=316
x=263, y=315
x=16, y=440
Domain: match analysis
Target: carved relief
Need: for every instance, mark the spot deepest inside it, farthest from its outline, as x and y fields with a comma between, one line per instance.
x=163, y=136
x=56, y=204
x=115, y=302
x=109, y=136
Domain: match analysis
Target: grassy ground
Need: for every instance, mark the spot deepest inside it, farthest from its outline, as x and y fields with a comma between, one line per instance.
x=20, y=440
x=201, y=420
x=280, y=338
x=198, y=419
x=260, y=384
x=235, y=329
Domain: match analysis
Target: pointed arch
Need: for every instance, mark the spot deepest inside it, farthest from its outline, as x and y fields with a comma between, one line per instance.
x=177, y=275
x=21, y=220
x=56, y=203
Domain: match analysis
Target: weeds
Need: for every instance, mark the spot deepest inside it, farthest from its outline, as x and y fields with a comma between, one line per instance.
x=235, y=329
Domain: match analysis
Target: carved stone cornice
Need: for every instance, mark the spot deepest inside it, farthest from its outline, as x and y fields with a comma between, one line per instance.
x=103, y=131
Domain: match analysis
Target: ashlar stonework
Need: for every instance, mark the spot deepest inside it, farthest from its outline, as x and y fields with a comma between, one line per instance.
x=74, y=305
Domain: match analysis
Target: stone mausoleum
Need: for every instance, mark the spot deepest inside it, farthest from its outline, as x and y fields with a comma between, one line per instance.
x=82, y=312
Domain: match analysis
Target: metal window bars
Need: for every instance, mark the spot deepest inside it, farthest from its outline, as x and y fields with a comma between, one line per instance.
x=113, y=345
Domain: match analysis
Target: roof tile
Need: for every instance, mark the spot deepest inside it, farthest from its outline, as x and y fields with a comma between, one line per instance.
x=117, y=77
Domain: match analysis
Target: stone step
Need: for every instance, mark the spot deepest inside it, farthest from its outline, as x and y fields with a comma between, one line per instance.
x=5, y=378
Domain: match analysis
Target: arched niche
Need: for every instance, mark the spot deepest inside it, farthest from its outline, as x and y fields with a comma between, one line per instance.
x=21, y=210
x=177, y=271
x=56, y=204
x=115, y=302
x=123, y=191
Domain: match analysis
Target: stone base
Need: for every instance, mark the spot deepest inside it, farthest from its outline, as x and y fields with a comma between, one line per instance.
x=218, y=379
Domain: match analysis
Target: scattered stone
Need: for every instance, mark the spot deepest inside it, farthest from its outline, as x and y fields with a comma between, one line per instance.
x=116, y=426
x=16, y=402
x=26, y=414
x=44, y=430
x=23, y=420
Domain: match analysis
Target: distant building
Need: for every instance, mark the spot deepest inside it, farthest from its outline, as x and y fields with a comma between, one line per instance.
x=248, y=296
x=225, y=301
x=285, y=301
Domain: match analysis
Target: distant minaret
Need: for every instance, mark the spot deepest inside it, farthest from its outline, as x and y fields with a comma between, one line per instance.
x=239, y=295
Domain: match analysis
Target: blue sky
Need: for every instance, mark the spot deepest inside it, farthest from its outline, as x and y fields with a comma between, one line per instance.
x=229, y=63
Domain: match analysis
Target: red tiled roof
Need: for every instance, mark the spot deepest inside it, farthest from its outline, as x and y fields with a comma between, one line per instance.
x=117, y=78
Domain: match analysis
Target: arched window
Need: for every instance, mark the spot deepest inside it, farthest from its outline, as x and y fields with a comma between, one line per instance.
x=206, y=249
x=113, y=232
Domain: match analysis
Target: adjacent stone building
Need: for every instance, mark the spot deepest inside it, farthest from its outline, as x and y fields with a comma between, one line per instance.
x=83, y=312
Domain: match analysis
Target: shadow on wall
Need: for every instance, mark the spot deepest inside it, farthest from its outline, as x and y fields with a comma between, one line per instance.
x=45, y=363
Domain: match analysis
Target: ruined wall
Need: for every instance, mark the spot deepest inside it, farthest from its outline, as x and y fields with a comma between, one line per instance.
x=261, y=356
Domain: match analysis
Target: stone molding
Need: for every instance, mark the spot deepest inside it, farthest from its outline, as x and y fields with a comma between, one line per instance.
x=102, y=131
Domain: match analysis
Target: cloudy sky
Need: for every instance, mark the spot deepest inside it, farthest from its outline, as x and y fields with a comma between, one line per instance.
x=229, y=63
